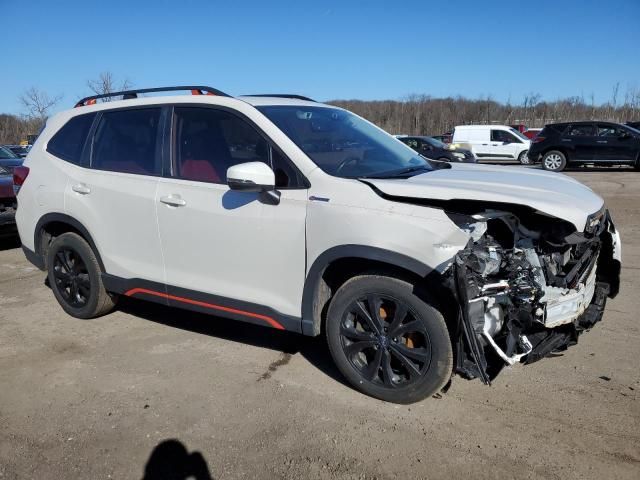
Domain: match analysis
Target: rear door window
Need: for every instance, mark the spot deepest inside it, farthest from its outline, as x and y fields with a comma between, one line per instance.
x=127, y=141
x=580, y=130
x=69, y=141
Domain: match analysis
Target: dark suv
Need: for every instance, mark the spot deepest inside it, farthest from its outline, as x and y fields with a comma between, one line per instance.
x=603, y=143
x=437, y=150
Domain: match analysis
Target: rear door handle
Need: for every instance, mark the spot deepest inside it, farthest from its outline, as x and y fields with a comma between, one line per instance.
x=173, y=200
x=485, y=144
x=566, y=139
x=81, y=188
x=601, y=141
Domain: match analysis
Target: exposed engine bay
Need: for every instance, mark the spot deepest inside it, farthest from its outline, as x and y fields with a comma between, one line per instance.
x=528, y=286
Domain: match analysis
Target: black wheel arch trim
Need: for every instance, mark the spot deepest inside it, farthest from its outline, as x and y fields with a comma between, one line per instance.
x=310, y=320
x=72, y=222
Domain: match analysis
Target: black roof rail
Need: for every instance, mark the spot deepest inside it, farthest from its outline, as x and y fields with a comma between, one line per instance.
x=128, y=94
x=281, y=95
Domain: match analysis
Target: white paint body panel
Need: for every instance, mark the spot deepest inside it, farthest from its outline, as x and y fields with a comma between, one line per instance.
x=554, y=194
x=228, y=243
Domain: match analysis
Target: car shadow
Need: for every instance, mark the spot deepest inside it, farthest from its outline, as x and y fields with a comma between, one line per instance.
x=170, y=460
x=9, y=240
x=313, y=349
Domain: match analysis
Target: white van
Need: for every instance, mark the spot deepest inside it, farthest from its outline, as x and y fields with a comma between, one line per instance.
x=494, y=142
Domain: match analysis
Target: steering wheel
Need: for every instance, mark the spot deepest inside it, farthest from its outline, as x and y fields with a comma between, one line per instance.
x=345, y=162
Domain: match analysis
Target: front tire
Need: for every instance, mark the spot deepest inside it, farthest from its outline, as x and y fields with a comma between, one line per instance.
x=387, y=342
x=554, y=161
x=75, y=277
x=524, y=159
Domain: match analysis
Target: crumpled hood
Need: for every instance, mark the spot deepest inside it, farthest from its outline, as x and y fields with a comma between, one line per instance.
x=551, y=193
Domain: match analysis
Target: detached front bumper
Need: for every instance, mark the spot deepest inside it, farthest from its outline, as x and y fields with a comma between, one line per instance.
x=525, y=310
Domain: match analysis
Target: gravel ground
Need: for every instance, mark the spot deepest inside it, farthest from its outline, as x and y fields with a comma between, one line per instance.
x=94, y=399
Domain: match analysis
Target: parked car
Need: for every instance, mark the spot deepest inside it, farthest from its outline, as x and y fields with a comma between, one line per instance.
x=414, y=269
x=9, y=160
x=7, y=203
x=20, y=150
x=579, y=143
x=494, y=142
x=531, y=133
x=435, y=149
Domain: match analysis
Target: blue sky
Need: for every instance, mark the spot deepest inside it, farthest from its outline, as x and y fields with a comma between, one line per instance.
x=324, y=49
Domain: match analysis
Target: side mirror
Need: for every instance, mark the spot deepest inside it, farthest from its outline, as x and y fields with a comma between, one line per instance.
x=624, y=136
x=254, y=177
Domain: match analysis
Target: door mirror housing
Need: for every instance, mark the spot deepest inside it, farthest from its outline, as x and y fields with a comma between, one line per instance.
x=251, y=177
x=254, y=177
x=624, y=136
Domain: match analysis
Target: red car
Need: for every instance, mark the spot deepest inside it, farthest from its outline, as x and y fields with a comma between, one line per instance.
x=527, y=132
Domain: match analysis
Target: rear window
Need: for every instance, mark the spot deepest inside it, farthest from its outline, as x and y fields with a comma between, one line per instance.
x=126, y=141
x=559, y=128
x=68, y=142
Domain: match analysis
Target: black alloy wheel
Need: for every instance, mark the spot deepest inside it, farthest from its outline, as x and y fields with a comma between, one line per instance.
x=75, y=277
x=388, y=339
x=71, y=277
x=382, y=339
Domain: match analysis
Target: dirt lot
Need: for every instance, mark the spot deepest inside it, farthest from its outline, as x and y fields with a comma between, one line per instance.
x=92, y=399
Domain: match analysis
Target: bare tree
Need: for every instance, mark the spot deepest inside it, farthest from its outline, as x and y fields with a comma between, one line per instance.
x=106, y=83
x=38, y=103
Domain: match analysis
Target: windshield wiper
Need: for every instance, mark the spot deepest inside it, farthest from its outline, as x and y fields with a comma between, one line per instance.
x=400, y=173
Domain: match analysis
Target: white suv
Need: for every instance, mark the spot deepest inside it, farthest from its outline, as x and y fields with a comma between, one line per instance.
x=299, y=216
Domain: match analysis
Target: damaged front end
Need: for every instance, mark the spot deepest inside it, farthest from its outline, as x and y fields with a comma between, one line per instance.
x=528, y=286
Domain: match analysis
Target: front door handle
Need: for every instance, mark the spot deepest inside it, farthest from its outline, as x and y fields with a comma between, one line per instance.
x=601, y=141
x=81, y=188
x=173, y=200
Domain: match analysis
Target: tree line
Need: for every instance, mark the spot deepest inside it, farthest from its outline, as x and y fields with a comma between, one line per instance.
x=426, y=115
x=413, y=115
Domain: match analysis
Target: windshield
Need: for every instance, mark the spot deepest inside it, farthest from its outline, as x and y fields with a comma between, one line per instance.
x=436, y=143
x=343, y=144
x=6, y=153
x=518, y=134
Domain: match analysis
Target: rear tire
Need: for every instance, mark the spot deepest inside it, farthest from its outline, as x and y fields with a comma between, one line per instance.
x=75, y=277
x=524, y=159
x=387, y=342
x=554, y=161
